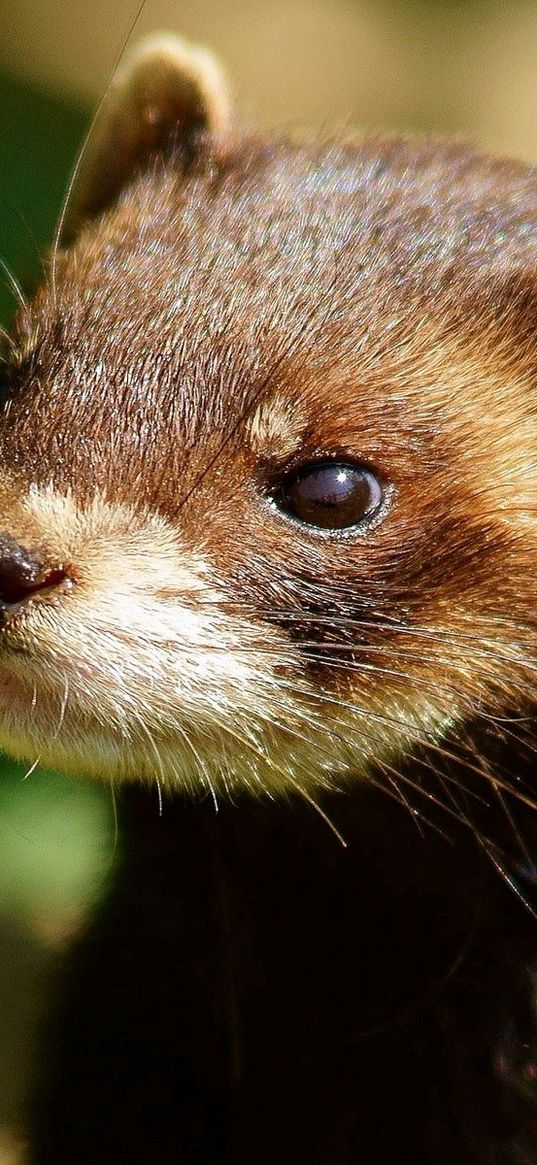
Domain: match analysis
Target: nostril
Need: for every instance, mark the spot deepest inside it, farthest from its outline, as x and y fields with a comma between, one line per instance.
x=13, y=590
x=22, y=574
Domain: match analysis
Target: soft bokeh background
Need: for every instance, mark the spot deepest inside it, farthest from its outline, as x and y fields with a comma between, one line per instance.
x=468, y=68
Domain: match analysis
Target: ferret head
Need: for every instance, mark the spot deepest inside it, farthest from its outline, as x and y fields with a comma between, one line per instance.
x=269, y=485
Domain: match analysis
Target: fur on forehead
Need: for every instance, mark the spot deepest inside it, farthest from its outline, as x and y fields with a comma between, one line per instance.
x=320, y=274
x=263, y=238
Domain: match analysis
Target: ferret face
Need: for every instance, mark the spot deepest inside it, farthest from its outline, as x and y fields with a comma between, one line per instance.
x=267, y=516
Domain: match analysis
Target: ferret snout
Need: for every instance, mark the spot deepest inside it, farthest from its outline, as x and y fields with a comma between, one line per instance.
x=24, y=574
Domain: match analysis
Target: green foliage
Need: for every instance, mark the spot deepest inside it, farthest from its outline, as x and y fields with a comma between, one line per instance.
x=56, y=841
x=56, y=834
x=39, y=139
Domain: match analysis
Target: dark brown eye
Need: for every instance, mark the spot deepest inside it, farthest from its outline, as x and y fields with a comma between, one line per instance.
x=333, y=495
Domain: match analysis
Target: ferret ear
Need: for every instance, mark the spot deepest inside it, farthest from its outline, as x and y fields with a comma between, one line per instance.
x=168, y=92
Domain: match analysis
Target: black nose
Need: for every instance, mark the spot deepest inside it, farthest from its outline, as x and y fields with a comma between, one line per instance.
x=22, y=574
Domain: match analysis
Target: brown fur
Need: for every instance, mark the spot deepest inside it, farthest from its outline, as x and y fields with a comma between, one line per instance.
x=243, y=308
x=388, y=315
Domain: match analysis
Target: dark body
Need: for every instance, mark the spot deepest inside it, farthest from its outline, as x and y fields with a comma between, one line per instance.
x=255, y=992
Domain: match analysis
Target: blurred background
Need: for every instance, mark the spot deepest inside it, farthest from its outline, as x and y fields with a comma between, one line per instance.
x=467, y=67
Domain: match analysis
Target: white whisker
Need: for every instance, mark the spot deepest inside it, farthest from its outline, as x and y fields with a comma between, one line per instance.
x=82, y=154
x=13, y=284
x=31, y=769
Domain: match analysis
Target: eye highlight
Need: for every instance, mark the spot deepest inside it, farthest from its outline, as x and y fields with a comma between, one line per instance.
x=330, y=495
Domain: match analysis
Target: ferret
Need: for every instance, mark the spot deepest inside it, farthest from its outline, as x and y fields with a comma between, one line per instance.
x=268, y=550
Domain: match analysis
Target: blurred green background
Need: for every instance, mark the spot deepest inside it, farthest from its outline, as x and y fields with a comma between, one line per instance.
x=39, y=136
x=57, y=837
x=468, y=68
